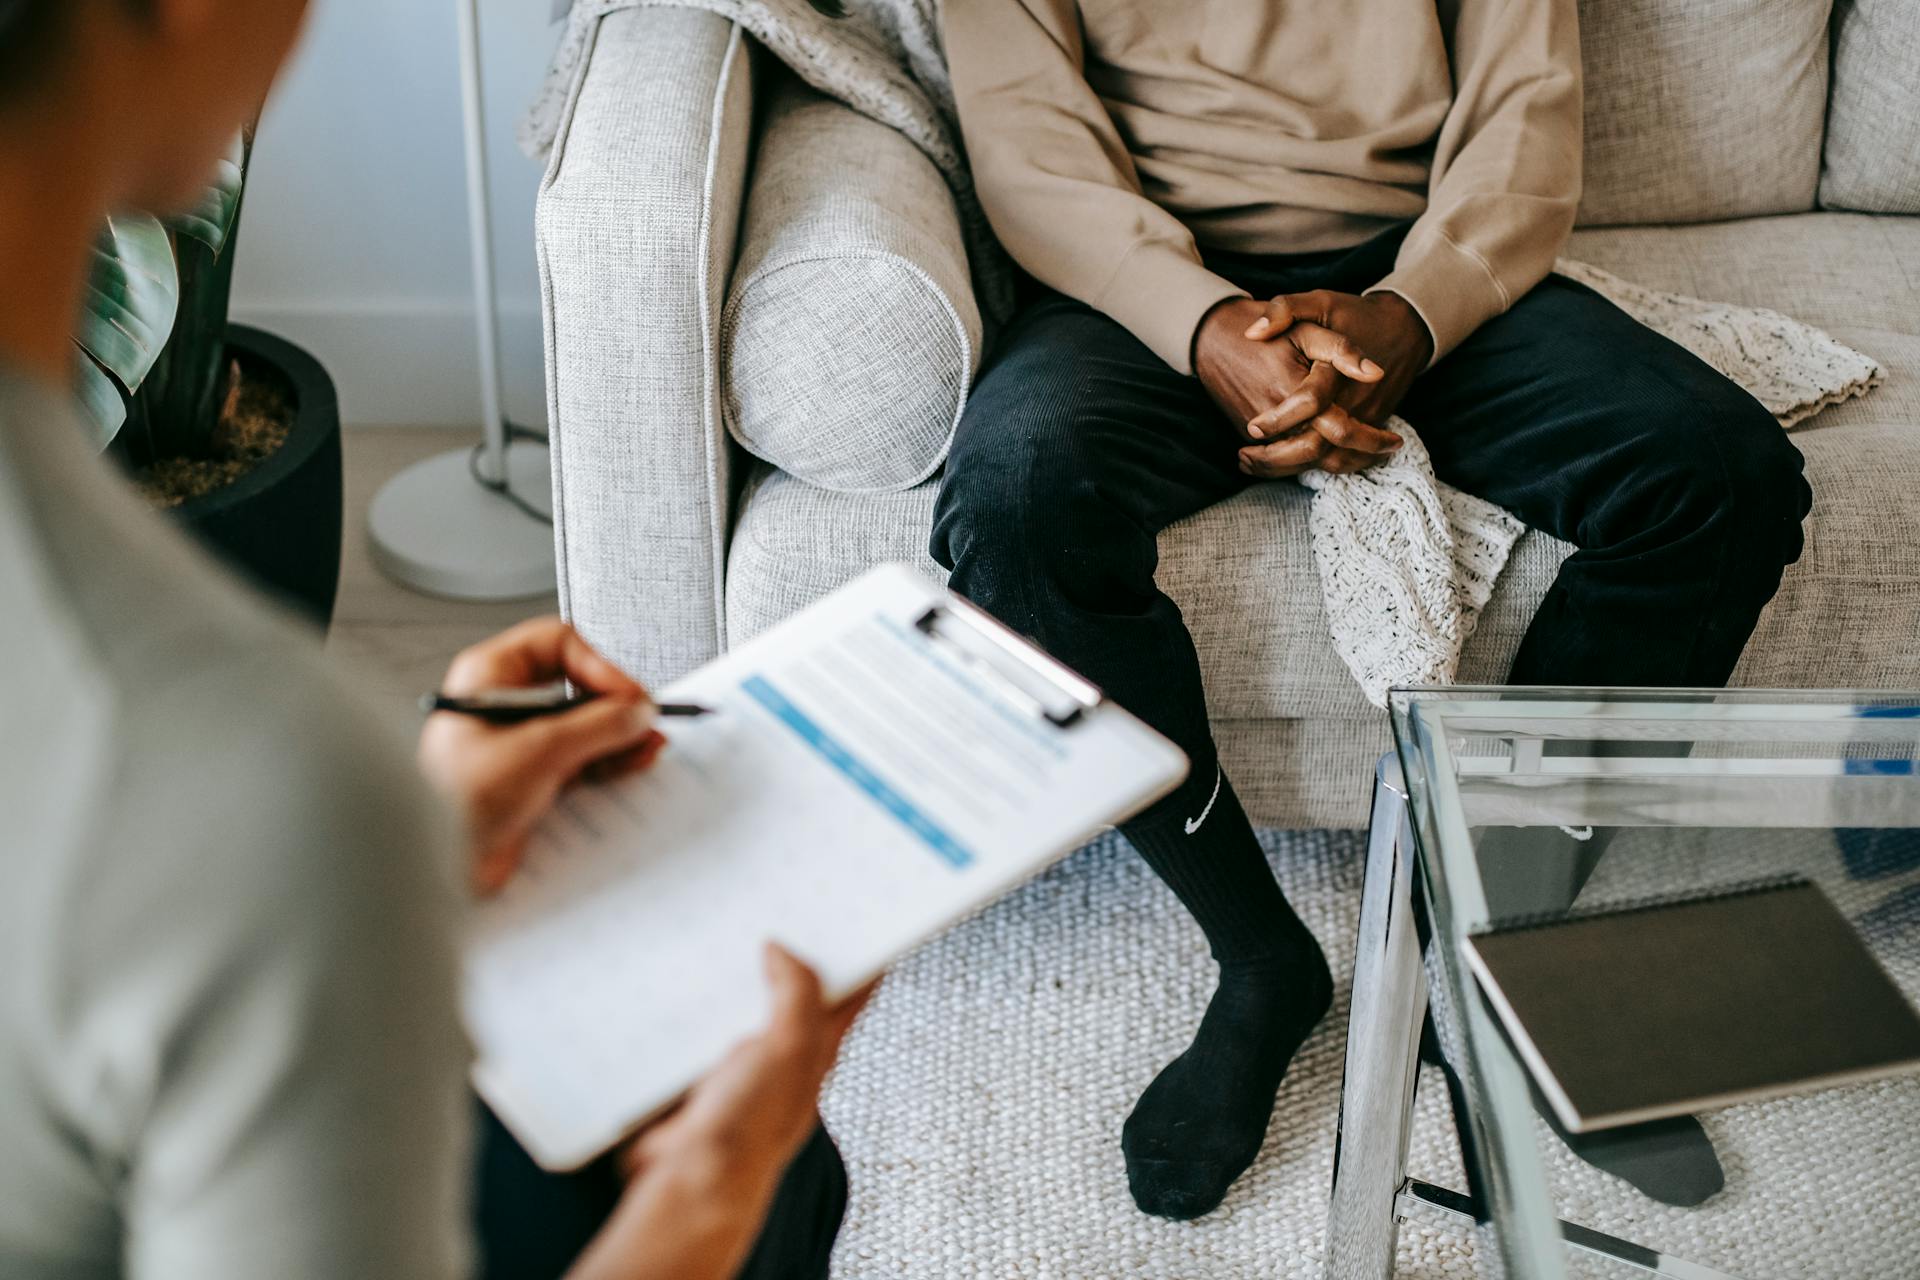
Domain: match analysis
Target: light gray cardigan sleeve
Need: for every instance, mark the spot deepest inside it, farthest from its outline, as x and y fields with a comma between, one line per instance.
x=265, y=1015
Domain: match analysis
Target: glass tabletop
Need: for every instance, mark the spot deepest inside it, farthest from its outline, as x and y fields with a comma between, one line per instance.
x=1535, y=802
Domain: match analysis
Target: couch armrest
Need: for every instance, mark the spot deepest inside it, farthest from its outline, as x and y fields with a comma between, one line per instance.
x=635, y=230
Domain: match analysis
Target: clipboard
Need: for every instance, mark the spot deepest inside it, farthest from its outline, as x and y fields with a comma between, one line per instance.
x=880, y=765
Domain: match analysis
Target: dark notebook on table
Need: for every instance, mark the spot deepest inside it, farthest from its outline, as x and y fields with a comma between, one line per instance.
x=1666, y=1009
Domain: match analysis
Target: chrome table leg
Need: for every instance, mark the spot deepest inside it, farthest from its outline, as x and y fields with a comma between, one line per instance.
x=1383, y=1047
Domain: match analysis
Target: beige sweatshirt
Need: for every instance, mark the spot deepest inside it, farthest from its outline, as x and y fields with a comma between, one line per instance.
x=1111, y=138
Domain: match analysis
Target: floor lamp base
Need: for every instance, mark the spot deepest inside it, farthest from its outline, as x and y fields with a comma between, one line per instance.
x=435, y=529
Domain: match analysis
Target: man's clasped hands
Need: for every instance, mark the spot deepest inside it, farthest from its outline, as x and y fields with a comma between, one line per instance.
x=1308, y=378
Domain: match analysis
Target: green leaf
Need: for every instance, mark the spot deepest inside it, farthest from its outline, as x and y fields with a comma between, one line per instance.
x=103, y=406
x=177, y=412
x=131, y=300
x=211, y=221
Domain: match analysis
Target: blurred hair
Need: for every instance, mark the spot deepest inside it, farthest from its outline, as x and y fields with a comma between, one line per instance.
x=30, y=31
x=30, y=34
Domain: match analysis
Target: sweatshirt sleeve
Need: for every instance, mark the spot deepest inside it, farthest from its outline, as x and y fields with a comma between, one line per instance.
x=1506, y=168
x=1055, y=178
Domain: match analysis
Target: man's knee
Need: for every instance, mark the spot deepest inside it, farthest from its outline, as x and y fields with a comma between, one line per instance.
x=1723, y=473
x=1774, y=496
x=1767, y=495
x=995, y=494
x=1023, y=508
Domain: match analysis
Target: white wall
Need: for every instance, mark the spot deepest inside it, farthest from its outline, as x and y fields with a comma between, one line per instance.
x=354, y=240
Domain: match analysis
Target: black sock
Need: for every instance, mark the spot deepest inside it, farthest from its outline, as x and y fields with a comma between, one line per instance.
x=1200, y=1123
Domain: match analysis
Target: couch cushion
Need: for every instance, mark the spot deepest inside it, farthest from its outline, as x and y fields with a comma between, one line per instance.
x=1855, y=276
x=1243, y=575
x=1872, y=158
x=1701, y=109
x=851, y=319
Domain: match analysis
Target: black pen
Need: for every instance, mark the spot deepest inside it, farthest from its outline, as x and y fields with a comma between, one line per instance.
x=514, y=706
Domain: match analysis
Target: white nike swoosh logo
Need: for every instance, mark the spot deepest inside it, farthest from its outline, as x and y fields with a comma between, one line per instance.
x=1193, y=824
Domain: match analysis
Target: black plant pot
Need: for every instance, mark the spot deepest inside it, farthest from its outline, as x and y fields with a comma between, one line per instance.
x=279, y=524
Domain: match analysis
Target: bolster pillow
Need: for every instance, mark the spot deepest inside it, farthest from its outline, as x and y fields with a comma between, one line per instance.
x=850, y=333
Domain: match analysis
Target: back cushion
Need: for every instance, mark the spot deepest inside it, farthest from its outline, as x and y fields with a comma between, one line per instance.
x=850, y=332
x=1702, y=109
x=1872, y=161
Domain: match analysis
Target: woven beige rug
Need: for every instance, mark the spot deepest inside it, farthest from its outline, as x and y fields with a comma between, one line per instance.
x=980, y=1100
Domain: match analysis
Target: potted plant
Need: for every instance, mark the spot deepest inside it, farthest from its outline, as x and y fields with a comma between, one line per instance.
x=234, y=431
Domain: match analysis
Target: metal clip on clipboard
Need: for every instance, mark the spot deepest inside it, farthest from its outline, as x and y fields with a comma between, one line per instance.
x=1017, y=670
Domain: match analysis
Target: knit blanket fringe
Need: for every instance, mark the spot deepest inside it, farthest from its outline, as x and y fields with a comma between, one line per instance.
x=1406, y=563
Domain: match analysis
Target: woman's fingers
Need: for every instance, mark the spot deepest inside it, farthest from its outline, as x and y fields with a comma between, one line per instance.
x=638, y=760
x=799, y=1004
x=586, y=667
x=496, y=864
x=525, y=767
x=841, y=1017
x=536, y=652
x=525, y=654
x=564, y=745
x=759, y=1103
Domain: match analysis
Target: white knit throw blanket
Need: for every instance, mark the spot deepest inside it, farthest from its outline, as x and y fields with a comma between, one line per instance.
x=1406, y=563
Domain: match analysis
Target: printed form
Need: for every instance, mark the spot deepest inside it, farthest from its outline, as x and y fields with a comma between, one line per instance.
x=862, y=785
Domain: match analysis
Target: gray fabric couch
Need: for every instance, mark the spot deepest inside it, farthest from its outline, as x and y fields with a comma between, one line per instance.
x=731, y=263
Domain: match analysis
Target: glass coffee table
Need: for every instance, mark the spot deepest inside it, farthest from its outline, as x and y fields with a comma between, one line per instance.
x=1507, y=802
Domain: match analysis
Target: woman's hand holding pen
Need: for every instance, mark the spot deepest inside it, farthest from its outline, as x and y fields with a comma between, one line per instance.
x=505, y=778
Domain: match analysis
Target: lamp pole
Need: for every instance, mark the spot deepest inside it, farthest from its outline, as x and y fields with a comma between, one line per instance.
x=472, y=524
x=473, y=105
